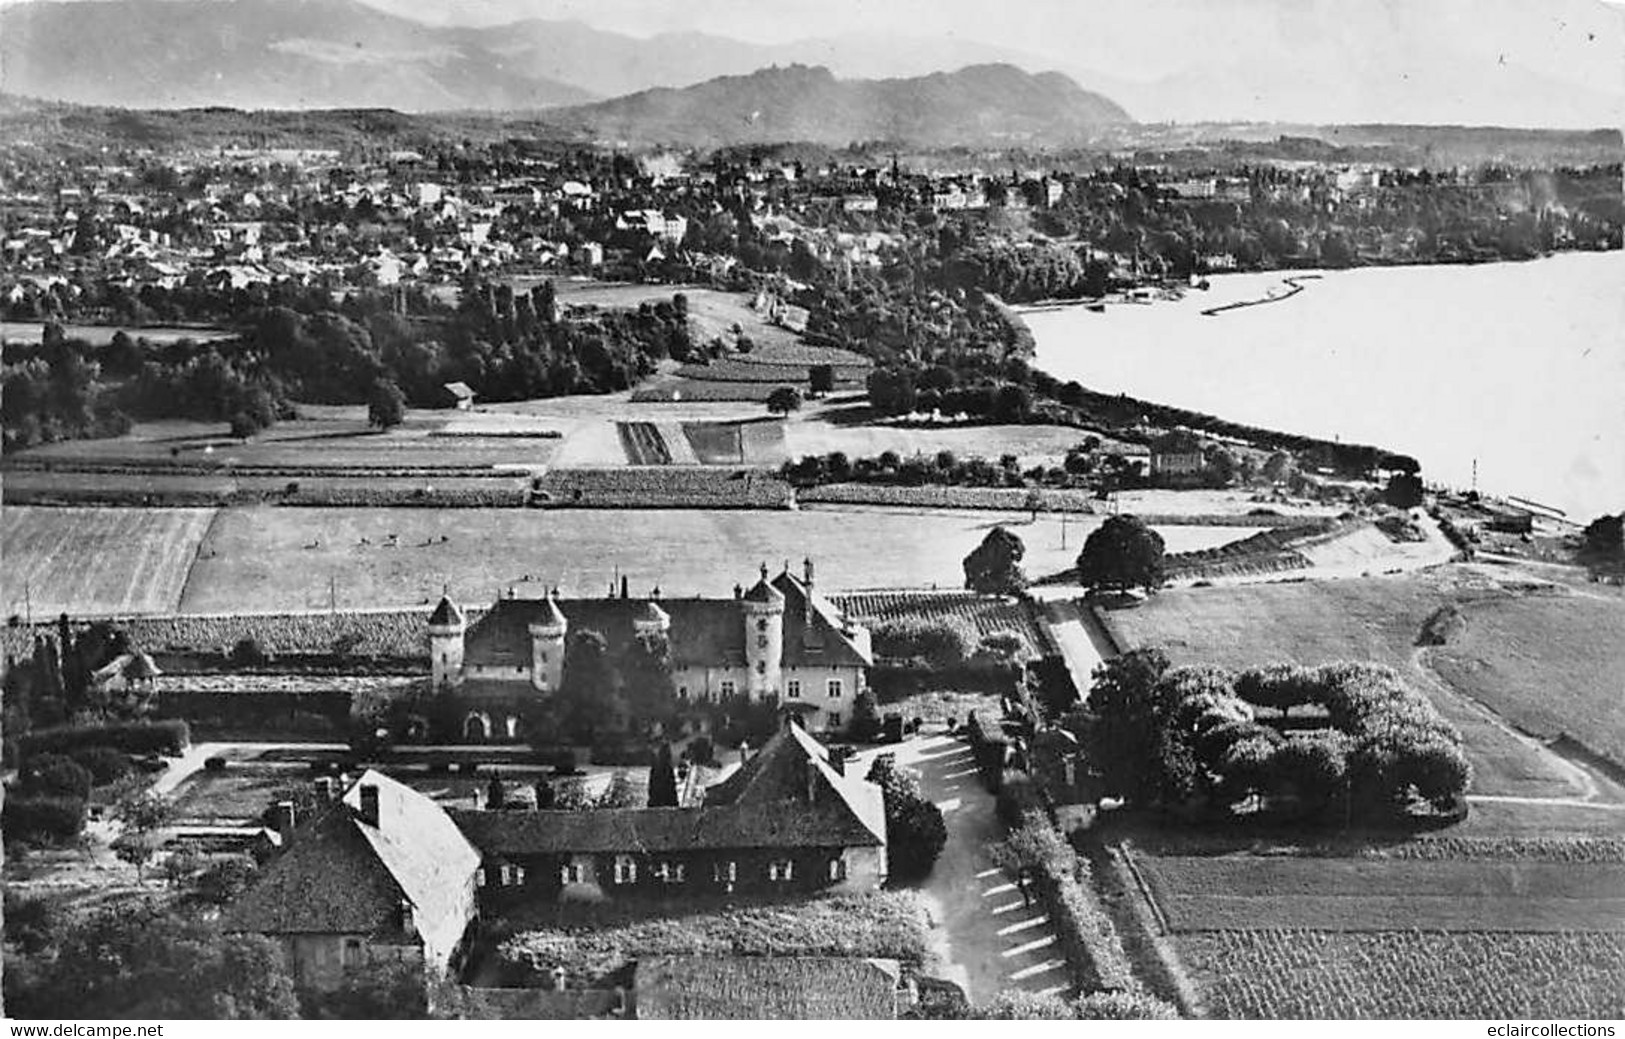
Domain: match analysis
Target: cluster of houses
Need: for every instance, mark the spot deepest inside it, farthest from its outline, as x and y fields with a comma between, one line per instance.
x=378, y=873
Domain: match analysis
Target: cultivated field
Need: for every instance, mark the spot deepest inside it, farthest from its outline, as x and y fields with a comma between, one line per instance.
x=101, y=335
x=1552, y=666
x=269, y=558
x=326, y=438
x=986, y=615
x=1407, y=974
x=1242, y=892
x=1378, y=619
x=98, y=560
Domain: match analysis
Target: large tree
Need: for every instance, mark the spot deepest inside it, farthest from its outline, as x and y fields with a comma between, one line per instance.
x=663, y=779
x=386, y=404
x=587, y=687
x=1122, y=738
x=994, y=566
x=651, y=694
x=915, y=831
x=1124, y=553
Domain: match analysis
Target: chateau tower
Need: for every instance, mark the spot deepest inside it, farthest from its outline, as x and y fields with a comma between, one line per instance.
x=446, y=628
x=651, y=619
x=547, y=634
x=763, y=609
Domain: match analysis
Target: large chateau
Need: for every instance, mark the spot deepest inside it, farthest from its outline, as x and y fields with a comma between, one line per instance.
x=778, y=641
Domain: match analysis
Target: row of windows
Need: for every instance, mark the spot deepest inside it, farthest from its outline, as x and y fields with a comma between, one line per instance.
x=834, y=689
x=625, y=871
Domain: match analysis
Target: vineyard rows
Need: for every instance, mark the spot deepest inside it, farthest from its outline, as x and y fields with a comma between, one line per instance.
x=985, y=615
x=1408, y=974
x=673, y=487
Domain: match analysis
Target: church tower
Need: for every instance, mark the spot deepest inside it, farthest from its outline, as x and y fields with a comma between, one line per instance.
x=446, y=628
x=547, y=632
x=763, y=609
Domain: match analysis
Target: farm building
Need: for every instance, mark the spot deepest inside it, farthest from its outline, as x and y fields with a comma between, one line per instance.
x=780, y=640
x=379, y=875
x=791, y=819
x=461, y=395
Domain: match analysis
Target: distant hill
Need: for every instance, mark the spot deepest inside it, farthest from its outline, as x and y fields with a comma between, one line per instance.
x=991, y=104
x=256, y=54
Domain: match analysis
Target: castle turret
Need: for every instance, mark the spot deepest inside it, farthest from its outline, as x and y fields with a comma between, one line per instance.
x=446, y=628
x=763, y=609
x=651, y=619
x=547, y=632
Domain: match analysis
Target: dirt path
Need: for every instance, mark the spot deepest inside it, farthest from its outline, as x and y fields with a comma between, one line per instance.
x=995, y=941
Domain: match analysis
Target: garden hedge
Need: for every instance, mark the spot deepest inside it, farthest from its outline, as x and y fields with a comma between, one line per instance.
x=162, y=737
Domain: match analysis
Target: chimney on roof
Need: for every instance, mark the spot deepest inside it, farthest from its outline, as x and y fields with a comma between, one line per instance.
x=284, y=821
x=739, y=591
x=744, y=751
x=807, y=572
x=406, y=918
x=625, y=592
x=656, y=593
x=324, y=790
x=837, y=760
x=764, y=571
x=369, y=804
x=811, y=772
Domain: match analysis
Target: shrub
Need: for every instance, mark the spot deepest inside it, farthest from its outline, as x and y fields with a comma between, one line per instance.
x=49, y=817
x=215, y=764
x=1443, y=627
x=247, y=652
x=937, y=642
x=989, y=748
x=1020, y=1005
x=1124, y=1006
x=701, y=751
x=106, y=764
x=164, y=737
x=226, y=879
x=53, y=775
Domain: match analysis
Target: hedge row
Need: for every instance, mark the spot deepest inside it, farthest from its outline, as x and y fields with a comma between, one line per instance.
x=1087, y=935
x=989, y=747
x=49, y=816
x=164, y=737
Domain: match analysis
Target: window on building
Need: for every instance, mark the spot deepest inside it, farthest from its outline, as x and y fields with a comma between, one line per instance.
x=519, y=875
x=479, y=878
x=505, y=872
x=682, y=692
x=781, y=870
x=544, y=656
x=761, y=625
x=572, y=873
x=761, y=667
x=727, y=687
x=761, y=642
x=834, y=689
x=835, y=719
x=626, y=870
x=837, y=869
x=792, y=689
x=350, y=952
x=725, y=872
x=670, y=872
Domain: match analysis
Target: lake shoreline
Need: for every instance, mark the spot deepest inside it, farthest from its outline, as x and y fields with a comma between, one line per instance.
x=1391, y=346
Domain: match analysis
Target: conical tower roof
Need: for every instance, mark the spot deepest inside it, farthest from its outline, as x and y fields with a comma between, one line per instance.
x=446, y=614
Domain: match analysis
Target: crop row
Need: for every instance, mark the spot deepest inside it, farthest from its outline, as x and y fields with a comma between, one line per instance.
x=1002, y=498
x=401, y=633
x=1408, y=974
x=660, y=487
x=159, y=467
x=643, y=443
x=186, y=493
x=986, y=616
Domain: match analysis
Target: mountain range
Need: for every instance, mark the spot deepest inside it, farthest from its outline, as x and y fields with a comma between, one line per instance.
x=994, y=104
x=1252, y=60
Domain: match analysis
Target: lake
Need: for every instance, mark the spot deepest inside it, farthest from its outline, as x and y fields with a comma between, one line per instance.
x=1520, y=366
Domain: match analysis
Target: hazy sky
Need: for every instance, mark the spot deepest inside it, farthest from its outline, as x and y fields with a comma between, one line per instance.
x=1512, y=62
x=1579, y=41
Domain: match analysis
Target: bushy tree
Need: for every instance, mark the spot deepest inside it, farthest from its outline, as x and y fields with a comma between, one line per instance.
x=784, y=400
x=865, y=724
x=1123, y=553
x=1404, y=491
x=1122, y=741
x=915, y=830
x=587, y=683
x=994, y=566
x=386, y=405
x=663, y=779
x=1605, y=536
